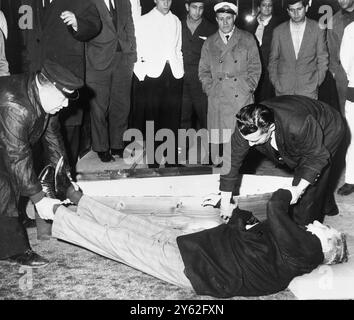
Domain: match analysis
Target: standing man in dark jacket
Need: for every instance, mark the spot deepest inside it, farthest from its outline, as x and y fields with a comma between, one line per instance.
x=27, y=104
x=195, y=30
x=60, y=28
x=110, y=58
x=244, y=257
x=263, y=28
x=296, y=131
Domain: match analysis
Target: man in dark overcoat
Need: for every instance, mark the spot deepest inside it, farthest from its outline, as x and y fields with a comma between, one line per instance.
x=302, y=133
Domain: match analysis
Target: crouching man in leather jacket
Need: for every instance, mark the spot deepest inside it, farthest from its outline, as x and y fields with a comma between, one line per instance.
x=26, y=105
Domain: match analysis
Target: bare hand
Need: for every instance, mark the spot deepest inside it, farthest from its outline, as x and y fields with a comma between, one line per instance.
x=69, y=19
x=296, y=194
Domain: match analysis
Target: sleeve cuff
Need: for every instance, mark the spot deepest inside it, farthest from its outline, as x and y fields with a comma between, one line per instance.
x=37, y=197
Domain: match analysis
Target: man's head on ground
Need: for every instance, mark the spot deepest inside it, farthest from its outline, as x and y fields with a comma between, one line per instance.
x=195, y=9
x=164, y=6
x=226, y=13
x=333, y=242
x=56, y=85
x=265, y=8
x=297, y=10
x=255, y=123
x=347, y=5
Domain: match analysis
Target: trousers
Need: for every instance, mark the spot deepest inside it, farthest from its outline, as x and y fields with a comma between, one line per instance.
x=132, y=240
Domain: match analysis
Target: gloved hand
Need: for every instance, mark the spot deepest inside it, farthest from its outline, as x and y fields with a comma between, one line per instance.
x=45, y=207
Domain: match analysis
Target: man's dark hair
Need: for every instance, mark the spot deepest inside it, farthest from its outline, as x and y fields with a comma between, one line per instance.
x=291, y=2
x=253, y=117
x=259, y=2
x=43, y=80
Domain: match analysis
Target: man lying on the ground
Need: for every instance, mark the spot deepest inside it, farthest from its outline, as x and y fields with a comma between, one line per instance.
x=243, y=257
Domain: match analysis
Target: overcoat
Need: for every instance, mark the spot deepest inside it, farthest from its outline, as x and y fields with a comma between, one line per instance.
x=308, y=134
x=229, y=74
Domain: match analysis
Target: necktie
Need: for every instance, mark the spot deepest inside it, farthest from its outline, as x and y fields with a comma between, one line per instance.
x=46, y=4
x=227, y=38
x=113, y=12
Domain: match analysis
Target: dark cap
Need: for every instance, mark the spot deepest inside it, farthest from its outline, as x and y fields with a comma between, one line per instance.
x=62, y=78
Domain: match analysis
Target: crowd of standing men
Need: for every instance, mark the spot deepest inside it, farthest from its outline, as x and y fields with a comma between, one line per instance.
x=153, y=67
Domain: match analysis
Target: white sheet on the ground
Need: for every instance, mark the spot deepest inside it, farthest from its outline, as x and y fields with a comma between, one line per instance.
x=327, y=282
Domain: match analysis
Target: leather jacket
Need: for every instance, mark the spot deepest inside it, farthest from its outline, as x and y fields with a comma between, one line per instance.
x=23, y=122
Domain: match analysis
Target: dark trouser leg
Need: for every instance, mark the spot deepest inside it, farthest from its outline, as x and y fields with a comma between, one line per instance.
x=216, y=153
x=99, y=102
x=71, y=137
x=341, y=84
x=170, y=110
x=119, y=106
x=153, y=92
x=13, y=235
x=310, y=206
x=137, y=112
x=187, y=107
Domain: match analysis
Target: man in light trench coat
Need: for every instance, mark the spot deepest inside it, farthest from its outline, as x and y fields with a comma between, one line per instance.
x=229, y=70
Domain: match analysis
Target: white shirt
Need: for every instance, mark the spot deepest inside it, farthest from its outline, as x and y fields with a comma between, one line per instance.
x=260, y=29
x=158, y=39
x=3, y=24
x=107, y=3
x=347, y=53
x=223, y=35
x=136, y=9
x=50, y=1
x=297, y=33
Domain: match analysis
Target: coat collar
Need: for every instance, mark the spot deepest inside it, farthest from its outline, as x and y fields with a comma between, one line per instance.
x=306, y=40
x=233, y=41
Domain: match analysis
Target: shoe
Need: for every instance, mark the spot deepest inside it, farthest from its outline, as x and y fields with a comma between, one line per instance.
x=346, y=189
x=331, y=210
x=46, y=179
x=29, y=259
x=105, y=156
x=62, y=179
x=117, y=152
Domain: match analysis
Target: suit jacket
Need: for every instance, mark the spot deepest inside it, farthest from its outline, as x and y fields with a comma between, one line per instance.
x=229, y=75
x=266, y=40
x=265, y=89
x=51, y=38
x=100, y=50
x=307, y=133
x=229, y=260
x=152, y=52
x=301, y=76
